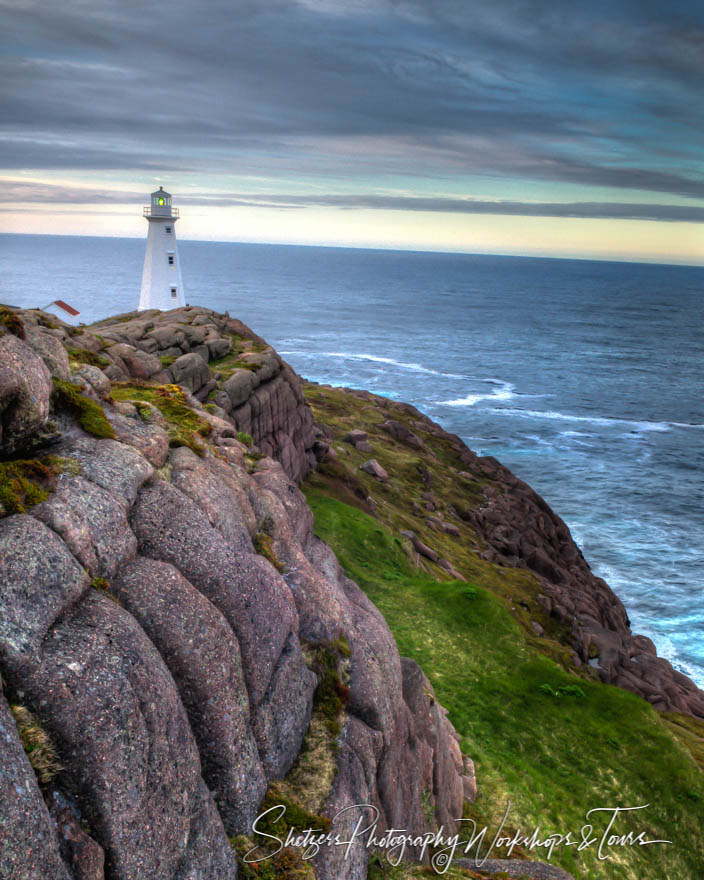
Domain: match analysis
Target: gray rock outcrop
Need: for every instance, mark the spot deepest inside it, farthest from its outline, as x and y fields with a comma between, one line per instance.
x=165, y=658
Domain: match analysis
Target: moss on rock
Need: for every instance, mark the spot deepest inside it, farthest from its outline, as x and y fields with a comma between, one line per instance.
x=264, y=545
x=90, y=414
x=84, y=356
x=26, y=482
x=12, y=322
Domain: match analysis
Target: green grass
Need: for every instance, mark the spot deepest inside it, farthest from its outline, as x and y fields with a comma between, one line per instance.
x=399, y=504
x=233, y=361
x=84, y=356
x=185, y=427
x=551, y=743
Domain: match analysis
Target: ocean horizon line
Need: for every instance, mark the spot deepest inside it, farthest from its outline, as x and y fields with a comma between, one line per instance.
x=380, y=249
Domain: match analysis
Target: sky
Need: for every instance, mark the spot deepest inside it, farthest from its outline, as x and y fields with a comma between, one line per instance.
x=566, y=129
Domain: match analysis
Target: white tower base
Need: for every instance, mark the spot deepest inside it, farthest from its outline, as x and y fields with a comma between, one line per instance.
x=162, y=285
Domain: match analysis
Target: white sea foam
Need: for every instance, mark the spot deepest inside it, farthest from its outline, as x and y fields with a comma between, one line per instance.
x=377, y=359
x=505, y=391
x=551, y=415
x=573, y=438
x=669, y=650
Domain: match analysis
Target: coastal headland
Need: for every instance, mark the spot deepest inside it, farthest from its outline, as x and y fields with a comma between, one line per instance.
x=228, y=594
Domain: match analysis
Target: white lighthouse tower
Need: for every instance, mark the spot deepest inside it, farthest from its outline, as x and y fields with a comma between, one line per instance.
x=162, y=285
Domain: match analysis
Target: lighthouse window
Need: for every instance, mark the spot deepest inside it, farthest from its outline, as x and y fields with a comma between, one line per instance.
x=171, y=259
x=168, y=230
x=173, y=293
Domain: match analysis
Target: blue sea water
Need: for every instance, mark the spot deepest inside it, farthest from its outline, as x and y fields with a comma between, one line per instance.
x=584, y=378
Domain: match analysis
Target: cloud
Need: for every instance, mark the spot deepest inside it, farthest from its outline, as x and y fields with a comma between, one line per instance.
x=27, y=193
x=598, y=94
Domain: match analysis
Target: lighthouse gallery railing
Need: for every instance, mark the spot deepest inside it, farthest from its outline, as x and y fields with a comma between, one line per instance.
x=157, y=212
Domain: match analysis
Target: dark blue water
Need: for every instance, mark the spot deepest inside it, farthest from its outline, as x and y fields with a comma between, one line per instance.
x=584, y=378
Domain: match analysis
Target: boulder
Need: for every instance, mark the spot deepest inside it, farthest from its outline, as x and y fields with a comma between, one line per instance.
x=52, y=352
x=278, y=419
x=359, y=439
x=114, y=466
x=148, y=438
x=375, y=469
x=431, y=726
x=203, y=352
x=423, y=549
x=239, y=387
x=174, y=352
x=115, y=372
x=218, y=348
x=95, y=379
x=25, y=392
x=402, y=433
x=281, y=718
x=138, y=364
x=92, y=522
x=41, y=580
x=194, y=335
x=190, y=371
x=168, y=335
x=213, y=486
x=149, y=344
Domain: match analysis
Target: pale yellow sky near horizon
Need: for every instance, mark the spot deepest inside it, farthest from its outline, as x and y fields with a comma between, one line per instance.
x=607, y=239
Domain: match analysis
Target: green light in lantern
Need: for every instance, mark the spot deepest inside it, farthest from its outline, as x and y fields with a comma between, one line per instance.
x=161, y=201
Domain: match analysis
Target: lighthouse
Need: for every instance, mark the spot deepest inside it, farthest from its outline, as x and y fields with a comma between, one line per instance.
x=162, y=285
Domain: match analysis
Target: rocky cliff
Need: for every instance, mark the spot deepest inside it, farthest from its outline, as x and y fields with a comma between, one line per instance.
x=475, y=504
x=176, y=645
x=179, y=651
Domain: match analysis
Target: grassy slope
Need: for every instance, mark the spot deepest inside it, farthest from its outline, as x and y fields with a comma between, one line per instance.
x=553, y=757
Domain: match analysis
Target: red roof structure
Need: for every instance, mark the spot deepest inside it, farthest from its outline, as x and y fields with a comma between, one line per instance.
x=66, y=307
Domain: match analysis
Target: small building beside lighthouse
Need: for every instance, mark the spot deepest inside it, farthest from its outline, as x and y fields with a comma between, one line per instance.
x=162, y=285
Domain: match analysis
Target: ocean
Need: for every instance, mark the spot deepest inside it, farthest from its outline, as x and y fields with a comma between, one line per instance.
x=584, y=378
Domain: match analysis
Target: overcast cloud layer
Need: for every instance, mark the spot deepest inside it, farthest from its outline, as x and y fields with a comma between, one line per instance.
x=453, y=93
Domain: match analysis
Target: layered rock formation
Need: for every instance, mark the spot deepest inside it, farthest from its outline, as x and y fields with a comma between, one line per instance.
x=167, y=660
x=246, y=381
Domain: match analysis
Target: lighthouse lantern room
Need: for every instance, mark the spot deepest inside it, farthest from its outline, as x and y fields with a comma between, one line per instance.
x=162, y=285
